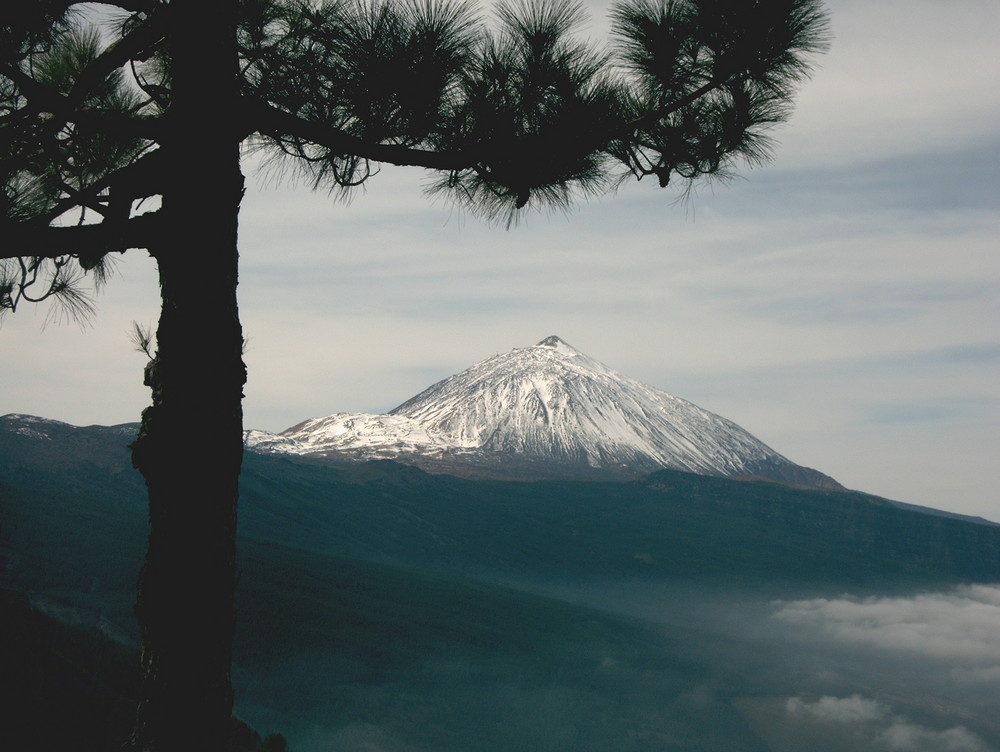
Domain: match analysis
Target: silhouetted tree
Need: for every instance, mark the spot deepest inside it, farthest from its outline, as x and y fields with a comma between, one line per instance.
x=128, y=135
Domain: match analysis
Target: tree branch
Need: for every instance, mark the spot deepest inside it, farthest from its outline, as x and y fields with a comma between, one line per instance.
x=270, y=121
x=644, y=121
x=141, y=179
x=30, y=240
x=279, y=125
x=133, y=45
x=44, y=98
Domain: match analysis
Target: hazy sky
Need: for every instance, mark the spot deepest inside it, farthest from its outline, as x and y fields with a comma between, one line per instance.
x=842, y=304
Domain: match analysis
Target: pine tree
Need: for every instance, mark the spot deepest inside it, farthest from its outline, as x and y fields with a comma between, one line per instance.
x=128, y=134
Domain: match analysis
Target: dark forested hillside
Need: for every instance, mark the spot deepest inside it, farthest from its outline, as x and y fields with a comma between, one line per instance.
x=385, y=608
x=668, y=525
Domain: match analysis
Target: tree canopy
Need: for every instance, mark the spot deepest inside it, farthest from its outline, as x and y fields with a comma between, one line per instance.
x=511, y=114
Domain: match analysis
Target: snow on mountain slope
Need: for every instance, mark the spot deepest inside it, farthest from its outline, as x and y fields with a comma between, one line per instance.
x=360, y=431
x=548, y=404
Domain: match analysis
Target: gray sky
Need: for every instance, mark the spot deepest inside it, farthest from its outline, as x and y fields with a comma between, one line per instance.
x=842, y=304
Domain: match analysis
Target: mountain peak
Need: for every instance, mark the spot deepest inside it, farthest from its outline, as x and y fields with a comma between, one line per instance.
x=559, y=345
x=553, y=406
x=552, y=341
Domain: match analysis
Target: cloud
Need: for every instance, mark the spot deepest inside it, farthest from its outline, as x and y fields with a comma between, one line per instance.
x=903, y=736
x=853, y=709
x=931, y=411
x=961, y=627
x=870, y=93
x=873, y=726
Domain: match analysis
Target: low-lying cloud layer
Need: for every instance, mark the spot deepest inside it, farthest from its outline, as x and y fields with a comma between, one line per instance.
x=842, y=673
x=871, y=725
x=961, y=627
x=884, y=674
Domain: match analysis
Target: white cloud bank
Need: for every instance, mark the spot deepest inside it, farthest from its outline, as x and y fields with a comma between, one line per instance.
x=961, y=627
x=875, y=727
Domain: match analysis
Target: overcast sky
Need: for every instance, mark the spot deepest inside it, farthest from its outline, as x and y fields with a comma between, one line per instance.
x=841, y=304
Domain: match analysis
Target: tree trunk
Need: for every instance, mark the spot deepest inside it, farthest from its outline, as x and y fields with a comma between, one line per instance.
x=190, y=444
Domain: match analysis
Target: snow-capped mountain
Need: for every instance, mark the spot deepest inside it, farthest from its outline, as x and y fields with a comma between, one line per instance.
x=544, y=411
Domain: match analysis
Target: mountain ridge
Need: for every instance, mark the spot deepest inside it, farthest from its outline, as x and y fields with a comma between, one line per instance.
x=670, y=524
x=30, y=443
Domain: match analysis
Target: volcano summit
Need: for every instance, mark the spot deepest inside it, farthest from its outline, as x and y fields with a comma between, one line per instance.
x=546, y=411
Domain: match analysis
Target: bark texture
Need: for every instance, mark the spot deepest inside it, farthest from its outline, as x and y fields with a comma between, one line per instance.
x=190, y=444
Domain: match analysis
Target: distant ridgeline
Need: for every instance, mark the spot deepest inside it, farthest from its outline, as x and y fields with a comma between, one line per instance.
x=668, y=524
